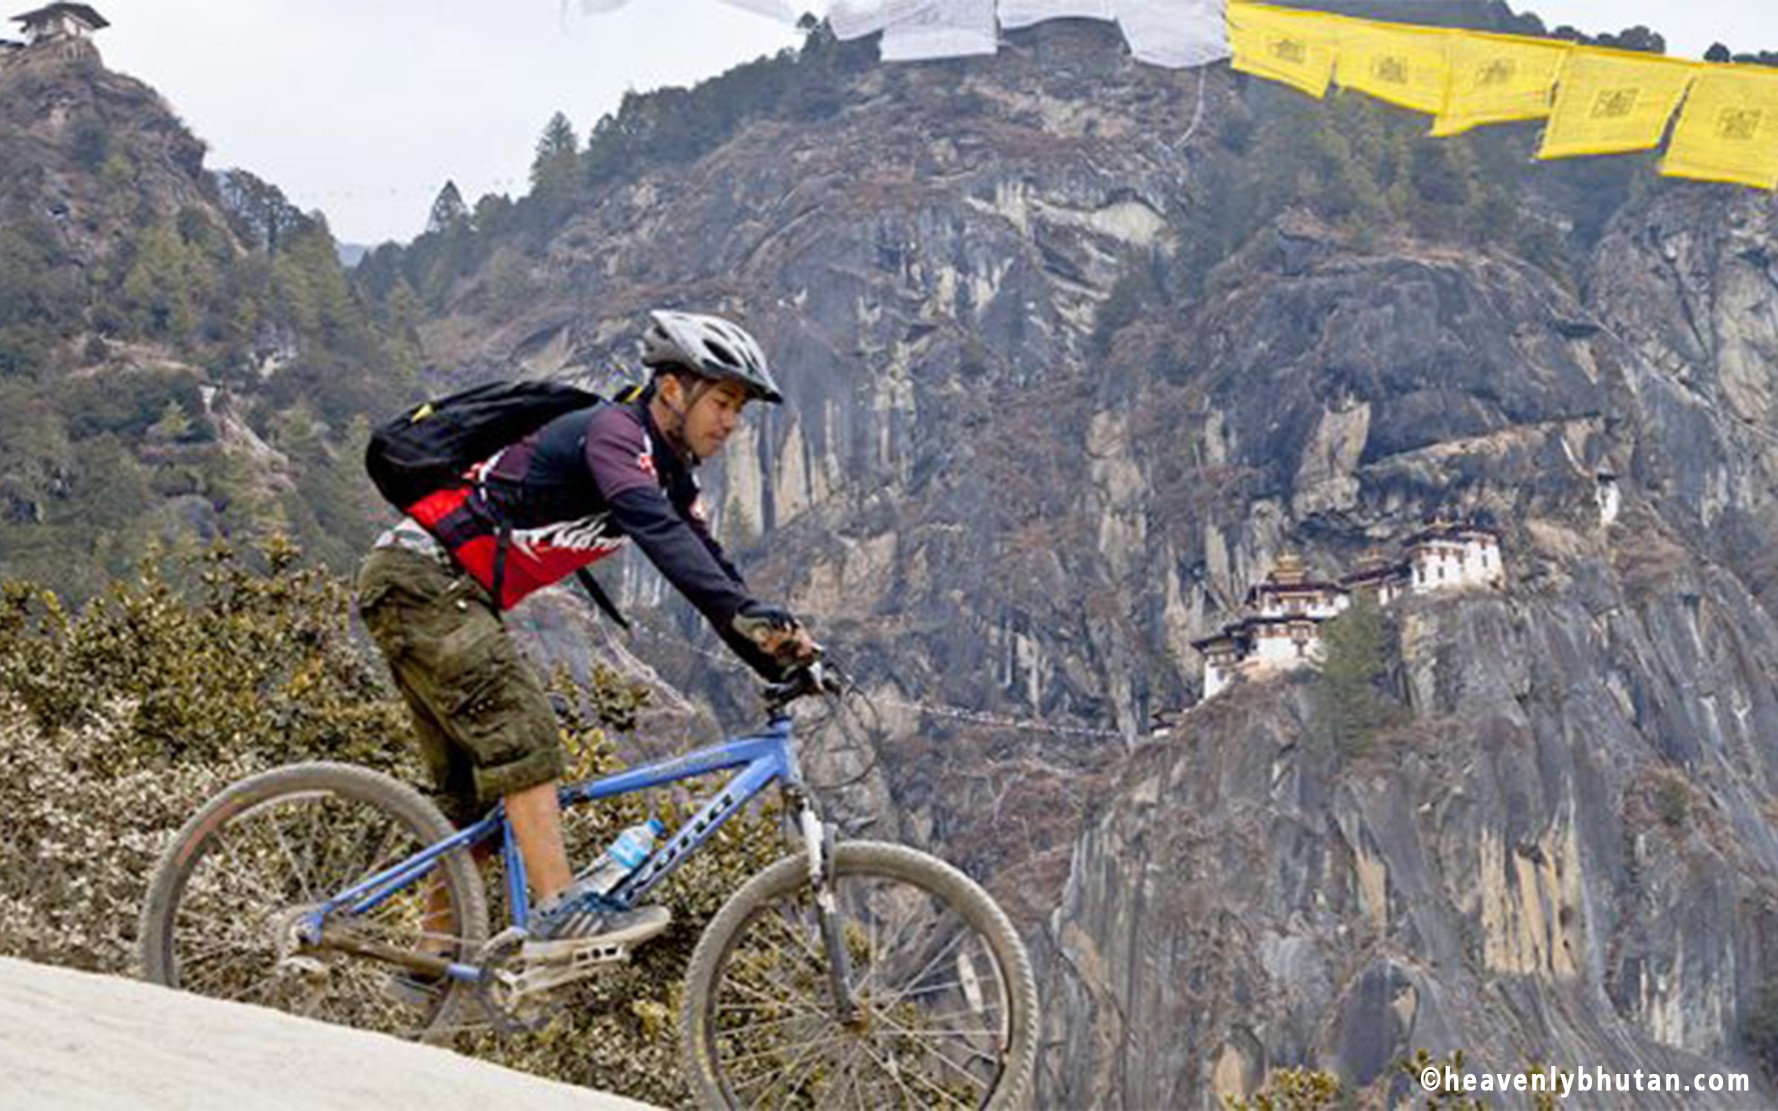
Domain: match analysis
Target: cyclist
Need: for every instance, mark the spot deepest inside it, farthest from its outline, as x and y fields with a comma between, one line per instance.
x=432, y=593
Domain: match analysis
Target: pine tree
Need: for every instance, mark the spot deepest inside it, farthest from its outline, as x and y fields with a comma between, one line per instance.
x=448, y=211
x=1349, y=701
x=558, y=157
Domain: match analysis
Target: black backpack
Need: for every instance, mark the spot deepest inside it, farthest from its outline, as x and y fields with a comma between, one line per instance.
x=432, y=445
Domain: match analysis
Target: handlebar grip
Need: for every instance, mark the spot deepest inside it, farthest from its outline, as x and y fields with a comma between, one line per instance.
x=816, y=677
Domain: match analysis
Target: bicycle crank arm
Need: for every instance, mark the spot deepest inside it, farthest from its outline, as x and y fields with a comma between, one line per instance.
x=428, y=964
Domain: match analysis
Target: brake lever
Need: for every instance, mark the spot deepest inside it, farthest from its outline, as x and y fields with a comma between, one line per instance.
x=820, y=676
x=828, y=678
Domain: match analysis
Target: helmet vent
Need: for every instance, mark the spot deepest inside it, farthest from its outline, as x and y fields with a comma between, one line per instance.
x=723, y=354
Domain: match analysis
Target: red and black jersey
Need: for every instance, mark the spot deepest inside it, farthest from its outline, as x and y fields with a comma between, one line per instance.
x=571, y=494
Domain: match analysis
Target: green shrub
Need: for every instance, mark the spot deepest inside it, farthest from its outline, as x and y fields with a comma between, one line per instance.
x=1293, y=1089
x=1673, y=799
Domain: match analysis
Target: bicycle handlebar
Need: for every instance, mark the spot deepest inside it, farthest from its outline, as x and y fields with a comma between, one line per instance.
x=820, y=676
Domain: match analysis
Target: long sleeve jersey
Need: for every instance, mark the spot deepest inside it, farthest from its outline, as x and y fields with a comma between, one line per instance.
x=571, y=494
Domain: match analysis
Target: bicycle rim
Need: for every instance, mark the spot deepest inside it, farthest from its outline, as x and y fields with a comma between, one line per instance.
x=231, y=931
x=937, y=1012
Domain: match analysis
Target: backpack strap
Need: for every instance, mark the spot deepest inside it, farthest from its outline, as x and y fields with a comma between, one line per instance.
x=600, y=598
x=503, y=542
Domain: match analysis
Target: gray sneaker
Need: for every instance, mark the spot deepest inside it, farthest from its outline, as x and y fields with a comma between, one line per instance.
x=568, y=928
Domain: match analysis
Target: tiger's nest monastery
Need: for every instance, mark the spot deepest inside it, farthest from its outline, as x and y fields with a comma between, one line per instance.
x=1282, y=626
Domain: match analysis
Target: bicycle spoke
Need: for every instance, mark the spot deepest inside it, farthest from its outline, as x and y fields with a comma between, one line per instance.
x=928, y=967
x=808, y=950
x=851, y=1082
x=929, y=974
x=302, y=875
x=238, y=871
x=902, y=1031
x=775, y=983
x=934, y=1020
x=797, y=1084
x=233, y=929
x=804, y=1016
x=877, y=960
x=775, y=1005
x=894, y=1074
x=801, y=1051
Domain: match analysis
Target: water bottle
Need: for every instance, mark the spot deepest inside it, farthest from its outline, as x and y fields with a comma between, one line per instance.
x=620, y=858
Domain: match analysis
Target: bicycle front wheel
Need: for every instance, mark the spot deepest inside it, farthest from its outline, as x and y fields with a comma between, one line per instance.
x=946, y=1003
x=230, y=892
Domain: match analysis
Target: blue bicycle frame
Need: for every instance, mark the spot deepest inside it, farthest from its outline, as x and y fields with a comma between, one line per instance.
x=763, y=758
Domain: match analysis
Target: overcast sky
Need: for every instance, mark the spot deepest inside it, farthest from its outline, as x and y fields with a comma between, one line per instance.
x=364, y=108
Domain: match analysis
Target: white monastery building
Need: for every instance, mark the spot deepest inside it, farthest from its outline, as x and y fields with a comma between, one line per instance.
x=1379, y=576
x=60, y=21
x=1281, y=629
x=1447, y=556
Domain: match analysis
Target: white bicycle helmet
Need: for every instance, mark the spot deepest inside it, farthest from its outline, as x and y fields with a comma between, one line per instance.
x=709, y=347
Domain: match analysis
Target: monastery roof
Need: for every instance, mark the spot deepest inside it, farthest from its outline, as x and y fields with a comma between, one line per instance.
x=1307, y=586
x=1290, y=577
x=1229, y=634
x=1373, y=572
x=80, y=12
x=1450, y=531
x=1240, y=630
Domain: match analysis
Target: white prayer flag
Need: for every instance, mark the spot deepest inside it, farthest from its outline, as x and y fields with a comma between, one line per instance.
x=1175, y=33
x=1023, y=13
x=946, y=29
x=854, y=19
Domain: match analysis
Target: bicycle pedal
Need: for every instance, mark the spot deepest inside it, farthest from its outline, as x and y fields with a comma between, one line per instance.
x=539, y=978
x=578, y=956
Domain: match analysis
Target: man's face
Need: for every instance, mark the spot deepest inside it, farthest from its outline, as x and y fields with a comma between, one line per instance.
x=713, y=418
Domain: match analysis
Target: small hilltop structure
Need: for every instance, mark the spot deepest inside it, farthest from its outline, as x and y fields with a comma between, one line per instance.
x=1281, y=627
x=57, y=27
x=59, y=22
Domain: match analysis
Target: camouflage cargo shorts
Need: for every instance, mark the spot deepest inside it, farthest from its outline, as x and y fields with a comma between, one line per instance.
x=484, y=722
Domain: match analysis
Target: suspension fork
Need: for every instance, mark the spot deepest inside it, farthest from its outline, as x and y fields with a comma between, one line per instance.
x=818, y=850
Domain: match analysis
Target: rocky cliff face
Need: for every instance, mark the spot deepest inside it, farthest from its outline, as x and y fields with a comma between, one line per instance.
x=65, y=121
x=1570, y=852
x=1000, y=487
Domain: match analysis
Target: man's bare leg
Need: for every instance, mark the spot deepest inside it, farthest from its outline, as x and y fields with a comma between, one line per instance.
x=536, y=817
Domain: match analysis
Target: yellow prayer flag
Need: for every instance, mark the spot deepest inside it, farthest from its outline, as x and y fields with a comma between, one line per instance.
x=1499, y=78
x=1296, y=48
x=1612, y=101
x=1403, y=65
x=1728, y=130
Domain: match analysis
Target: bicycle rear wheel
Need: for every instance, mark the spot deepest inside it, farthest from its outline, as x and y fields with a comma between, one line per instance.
x=226, y=898
x=947, y=1002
